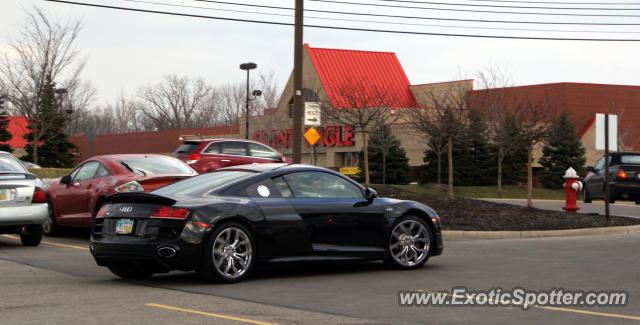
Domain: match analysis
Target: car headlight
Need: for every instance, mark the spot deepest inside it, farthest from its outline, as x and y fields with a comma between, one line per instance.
x=132, y=186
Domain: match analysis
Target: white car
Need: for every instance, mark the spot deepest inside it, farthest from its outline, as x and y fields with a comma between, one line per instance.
x=23, y=202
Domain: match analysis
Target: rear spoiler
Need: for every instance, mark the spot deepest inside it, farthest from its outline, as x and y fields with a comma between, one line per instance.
x=139, y=197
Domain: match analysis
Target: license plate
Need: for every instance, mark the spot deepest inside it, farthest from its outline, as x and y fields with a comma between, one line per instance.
x=4, y=194
x=124, y=226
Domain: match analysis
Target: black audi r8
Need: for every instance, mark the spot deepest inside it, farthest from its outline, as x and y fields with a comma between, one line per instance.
x=221, y=223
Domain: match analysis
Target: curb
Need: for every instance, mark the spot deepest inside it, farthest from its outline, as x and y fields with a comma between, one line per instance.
x=465, y=234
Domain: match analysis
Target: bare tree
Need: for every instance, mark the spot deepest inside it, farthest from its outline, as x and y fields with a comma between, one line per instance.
x=174, y=102
x=76, y=104
x=364, y=108
x=446, y=121
x=43, y=52
x=533, y=118
x=496, y=106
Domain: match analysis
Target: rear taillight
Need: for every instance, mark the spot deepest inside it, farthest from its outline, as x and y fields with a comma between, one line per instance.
x=39, y=196
x=193, y=158
x=169, y=213
x=621, y=174
x=102, y=212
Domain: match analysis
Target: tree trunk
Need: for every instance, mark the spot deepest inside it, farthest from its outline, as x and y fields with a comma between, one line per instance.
x=500, y=159
x=384, y=168
x=35, y=152
x=366, y=159
x=530, y=177
x=450, y=156
x=439, y=177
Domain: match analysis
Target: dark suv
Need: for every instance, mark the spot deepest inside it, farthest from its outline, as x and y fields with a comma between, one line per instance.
x=209, y=154
x=624, y=178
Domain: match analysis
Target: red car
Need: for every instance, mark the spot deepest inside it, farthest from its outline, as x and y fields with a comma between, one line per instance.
x=211, y=154
x=75, y=199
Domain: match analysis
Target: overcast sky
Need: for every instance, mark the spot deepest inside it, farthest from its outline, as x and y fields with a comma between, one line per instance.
x=125, y=50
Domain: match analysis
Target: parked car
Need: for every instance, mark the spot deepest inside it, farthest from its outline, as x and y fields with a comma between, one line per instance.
x=77, y=197
x=222, y=222
x=27, y=164
x=23, y=202
x=212, y=154
x=624, y=178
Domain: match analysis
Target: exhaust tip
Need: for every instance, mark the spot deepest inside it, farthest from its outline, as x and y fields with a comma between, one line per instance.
x=166, y=251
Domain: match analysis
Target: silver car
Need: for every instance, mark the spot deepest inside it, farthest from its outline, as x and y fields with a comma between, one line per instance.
x=23, y=202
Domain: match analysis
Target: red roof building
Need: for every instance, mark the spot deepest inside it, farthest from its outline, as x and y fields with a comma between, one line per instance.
x=372, y=73
x=582, y=101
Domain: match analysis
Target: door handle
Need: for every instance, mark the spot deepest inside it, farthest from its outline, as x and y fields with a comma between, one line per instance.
x=225, y=160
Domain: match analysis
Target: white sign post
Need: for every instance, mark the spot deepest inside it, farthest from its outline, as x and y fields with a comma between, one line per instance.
x=312, y=114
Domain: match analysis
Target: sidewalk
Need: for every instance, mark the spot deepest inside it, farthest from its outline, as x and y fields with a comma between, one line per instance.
x=620, y=208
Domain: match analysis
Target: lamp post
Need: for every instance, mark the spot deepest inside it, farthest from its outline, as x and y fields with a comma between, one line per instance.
x=61, y=93
x=247, y=66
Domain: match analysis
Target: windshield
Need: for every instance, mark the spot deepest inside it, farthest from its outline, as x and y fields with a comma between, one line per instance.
x=9, y=164
x=201, y=184
x=156, y=165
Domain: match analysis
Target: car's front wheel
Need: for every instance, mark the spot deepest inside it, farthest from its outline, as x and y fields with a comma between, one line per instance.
x=32, y=235
x=409, y=243
x=230, y=254
x=129, y=272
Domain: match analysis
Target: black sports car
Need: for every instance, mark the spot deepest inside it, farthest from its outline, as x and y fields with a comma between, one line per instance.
x=222, y=222
x=624, y=178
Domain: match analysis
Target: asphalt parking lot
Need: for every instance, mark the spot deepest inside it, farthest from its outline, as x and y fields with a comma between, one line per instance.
x=58, y=282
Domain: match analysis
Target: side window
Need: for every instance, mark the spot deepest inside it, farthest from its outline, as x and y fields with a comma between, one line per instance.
x=102, y=171
x=212, y=148
x=599, y=164
x=282, y=186
x=321, y=185
x=261, y=151
x=86, y=171
x=234, y=148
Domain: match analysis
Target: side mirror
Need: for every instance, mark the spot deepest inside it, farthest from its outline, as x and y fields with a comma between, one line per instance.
x=370, y=194
x=66, y=179
x=591, y=169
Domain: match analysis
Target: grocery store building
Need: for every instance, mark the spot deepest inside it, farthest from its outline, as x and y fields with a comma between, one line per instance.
x=327, y=72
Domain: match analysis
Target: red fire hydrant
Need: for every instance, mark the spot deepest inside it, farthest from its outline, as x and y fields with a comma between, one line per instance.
x=572, y=185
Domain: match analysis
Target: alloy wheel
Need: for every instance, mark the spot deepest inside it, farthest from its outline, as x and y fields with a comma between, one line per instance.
x=232, y=252
x=410, y=243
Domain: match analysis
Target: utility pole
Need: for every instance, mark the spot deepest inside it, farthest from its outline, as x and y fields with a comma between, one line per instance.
x=297, y=84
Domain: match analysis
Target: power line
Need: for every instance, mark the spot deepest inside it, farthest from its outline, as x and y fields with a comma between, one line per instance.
x=428, y=18
x=387, y=22
x=563, y=3
x=342, y=28
x=470, y=10
x=506, y=6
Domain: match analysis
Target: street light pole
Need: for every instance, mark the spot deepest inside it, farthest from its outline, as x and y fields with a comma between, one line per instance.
x=247, y=66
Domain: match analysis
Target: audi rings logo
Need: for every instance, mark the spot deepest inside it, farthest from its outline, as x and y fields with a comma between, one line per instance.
x=126, y=209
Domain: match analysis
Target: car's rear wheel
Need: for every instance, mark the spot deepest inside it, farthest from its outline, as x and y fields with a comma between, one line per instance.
x=409, y=243
x=49, y=227
x=129, y=272
x=32, y=235
x=230, y=254
x=586, y=196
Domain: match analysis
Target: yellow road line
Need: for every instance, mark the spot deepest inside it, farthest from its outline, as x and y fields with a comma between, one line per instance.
x=197, y=312
x=588, y=312
x=569, y=310
x=52, y=243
